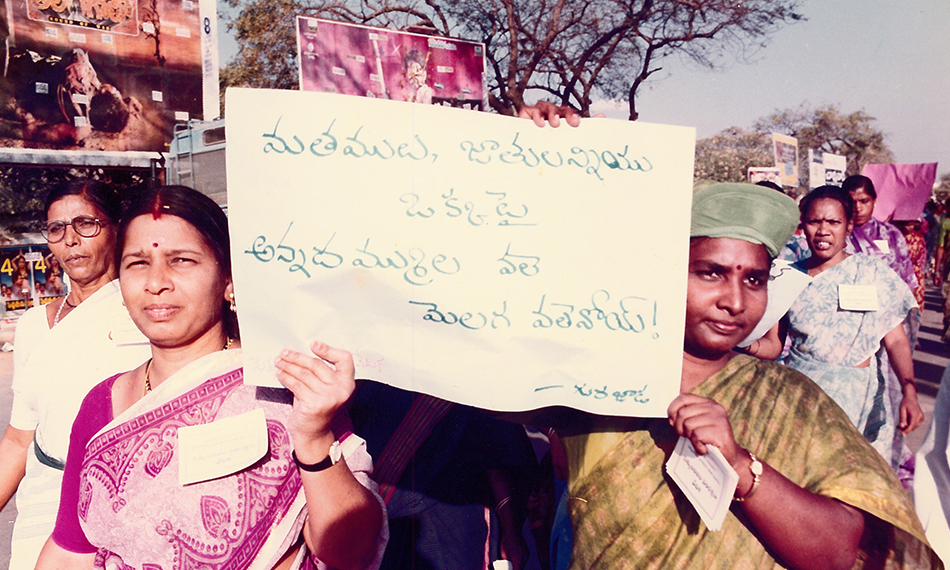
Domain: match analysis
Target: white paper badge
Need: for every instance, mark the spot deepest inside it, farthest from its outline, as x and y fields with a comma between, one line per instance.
x=882, y=245
x=222, y=447
x=708, y=481
x=857, y=297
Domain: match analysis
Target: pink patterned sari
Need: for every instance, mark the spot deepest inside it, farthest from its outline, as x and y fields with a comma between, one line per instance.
x=132, y=507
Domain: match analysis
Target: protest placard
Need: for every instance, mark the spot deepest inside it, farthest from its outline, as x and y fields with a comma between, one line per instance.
x=785, y=151
x=474, y=257
x=902, y=189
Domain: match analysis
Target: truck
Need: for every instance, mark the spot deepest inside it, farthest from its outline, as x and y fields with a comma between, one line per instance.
x=195, y=158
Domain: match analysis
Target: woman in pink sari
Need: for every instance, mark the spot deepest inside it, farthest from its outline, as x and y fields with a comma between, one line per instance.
x=159, y=474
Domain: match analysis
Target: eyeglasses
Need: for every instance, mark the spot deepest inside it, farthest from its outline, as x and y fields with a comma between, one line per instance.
x=85, y=226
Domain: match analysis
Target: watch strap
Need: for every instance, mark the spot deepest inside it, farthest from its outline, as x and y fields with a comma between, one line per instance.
x=329, y=461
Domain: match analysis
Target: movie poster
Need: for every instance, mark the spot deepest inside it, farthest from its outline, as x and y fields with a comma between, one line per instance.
x=374, y=62
x=99, y=75
x=28, y=274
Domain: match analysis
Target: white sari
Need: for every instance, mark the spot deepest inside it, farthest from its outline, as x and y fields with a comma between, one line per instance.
x=53, y=371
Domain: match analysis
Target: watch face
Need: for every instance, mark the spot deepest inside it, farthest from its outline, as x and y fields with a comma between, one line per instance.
x=336, y=452
x=756, y=467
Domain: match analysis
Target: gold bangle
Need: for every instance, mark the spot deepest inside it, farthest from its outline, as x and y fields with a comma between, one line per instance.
x=502, y=503
x=757, y=470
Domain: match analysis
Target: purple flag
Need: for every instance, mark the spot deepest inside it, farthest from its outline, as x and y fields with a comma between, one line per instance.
x=902, y=189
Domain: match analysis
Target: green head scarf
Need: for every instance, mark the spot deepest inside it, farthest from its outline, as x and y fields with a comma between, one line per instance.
x=744, y=211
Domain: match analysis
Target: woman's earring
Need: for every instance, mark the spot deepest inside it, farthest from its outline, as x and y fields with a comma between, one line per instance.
x=233, y=306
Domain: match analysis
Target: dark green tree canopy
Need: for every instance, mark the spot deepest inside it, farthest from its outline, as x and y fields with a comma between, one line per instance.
x=566, y=50
x=23, y=191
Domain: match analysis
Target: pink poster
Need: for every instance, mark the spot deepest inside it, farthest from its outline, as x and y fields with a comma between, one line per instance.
x=902, y=189
x=375, y=62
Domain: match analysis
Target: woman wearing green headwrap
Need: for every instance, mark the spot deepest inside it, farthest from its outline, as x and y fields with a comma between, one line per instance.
x=811, y=493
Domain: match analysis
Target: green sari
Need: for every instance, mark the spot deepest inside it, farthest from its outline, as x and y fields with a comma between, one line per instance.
x=627, y=513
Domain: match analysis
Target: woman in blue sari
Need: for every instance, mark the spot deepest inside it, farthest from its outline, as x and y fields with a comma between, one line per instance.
x=848, y=319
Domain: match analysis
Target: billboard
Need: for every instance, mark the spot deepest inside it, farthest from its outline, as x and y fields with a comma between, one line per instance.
x=100, y=75
x=374, y=62
x=30, y=274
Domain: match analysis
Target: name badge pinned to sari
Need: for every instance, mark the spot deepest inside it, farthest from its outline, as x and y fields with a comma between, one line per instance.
x=882, y=245
x=857, y=297
x=708, y=481
x=222, y=447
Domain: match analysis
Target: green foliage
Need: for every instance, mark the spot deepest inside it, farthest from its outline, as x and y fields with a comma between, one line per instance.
x=827, y=129
x=23, y=191
x=727, y=156
x=565, y=50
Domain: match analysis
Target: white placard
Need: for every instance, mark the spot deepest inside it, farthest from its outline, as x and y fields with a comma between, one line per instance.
x=708, y=481
x=467, y=255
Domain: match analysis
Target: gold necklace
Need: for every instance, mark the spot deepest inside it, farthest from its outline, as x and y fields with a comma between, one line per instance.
x=148, y=366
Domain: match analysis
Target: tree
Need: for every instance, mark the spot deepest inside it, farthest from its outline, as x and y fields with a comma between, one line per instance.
x=23, y=191
x=827, y=129
x=568, y=50
x=726, y=156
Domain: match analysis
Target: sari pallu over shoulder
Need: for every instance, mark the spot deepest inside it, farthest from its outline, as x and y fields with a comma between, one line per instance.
x=132, y=507
x=627, y=514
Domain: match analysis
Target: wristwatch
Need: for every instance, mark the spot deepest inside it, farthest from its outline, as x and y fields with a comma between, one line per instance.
x=336, y=453
x=756, y=468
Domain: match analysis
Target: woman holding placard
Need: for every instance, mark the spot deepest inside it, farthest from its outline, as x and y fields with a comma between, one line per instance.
x=851, y=312
x=810, y=492
x=139, y=490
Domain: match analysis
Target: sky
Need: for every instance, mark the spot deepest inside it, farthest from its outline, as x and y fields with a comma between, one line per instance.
x=889, y=59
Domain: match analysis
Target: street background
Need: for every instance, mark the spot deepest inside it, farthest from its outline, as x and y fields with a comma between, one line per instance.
x=929, y=362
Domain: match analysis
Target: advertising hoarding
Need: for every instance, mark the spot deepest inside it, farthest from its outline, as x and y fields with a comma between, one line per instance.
x=99, y=76
x=336, y=57
x=30, y=273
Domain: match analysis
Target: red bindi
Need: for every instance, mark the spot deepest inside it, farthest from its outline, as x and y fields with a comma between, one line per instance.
x=738, y=268
x=154, y=244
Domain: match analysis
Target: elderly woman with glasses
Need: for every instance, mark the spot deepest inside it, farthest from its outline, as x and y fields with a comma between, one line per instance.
x=62, y=350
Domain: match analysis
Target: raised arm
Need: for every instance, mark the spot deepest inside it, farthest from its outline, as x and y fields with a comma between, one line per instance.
x=344, y=516
x=770, y=346
x=804, y=530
